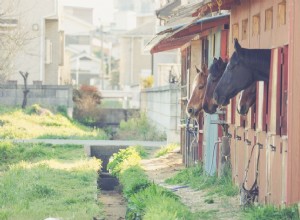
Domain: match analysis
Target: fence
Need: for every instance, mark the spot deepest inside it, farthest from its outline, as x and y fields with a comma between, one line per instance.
x=46, y=95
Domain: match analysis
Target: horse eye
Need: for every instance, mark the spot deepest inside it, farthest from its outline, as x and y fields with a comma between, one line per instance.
x=201, y=86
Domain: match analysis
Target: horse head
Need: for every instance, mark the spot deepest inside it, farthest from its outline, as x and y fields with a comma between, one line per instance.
x=247, y=99
x=194, y=105
x=245, y=67
x=215, y=72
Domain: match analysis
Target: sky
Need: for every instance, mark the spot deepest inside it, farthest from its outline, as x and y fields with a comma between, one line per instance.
x=104, y=9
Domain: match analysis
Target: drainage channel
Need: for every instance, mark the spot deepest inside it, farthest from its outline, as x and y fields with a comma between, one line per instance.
x=114, y=205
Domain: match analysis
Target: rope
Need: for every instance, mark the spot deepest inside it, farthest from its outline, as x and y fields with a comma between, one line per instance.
x=248, y=196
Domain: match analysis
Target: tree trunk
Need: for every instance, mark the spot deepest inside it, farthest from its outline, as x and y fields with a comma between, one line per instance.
x=26, y=90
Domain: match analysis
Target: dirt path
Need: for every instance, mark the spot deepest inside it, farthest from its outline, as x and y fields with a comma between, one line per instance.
x=114, y=205
x=159, y=169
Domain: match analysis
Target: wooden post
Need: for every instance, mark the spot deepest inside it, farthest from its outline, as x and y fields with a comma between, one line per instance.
x=224, y=155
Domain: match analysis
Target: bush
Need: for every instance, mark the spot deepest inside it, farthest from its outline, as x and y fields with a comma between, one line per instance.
x=139, y=129
x=122, y=160
x=87, y=100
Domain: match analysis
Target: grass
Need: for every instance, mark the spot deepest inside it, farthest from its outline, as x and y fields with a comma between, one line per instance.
x=271, y=212
x=38, y=181
x=166, y=149
x=197, y=179
x=27, y=124
x=139, y=129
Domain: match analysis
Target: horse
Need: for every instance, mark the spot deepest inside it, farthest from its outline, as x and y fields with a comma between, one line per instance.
x=247, y=99
x=245, y=67
x=215, y=72
x=194, y=105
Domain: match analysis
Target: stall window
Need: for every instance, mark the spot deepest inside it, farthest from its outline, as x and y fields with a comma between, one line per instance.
x=256, y=25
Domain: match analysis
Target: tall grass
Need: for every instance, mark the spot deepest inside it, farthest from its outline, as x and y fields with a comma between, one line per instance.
x=25, y=124
x=139, y=129
x=147, y=200
x=271, y=212
x=42, y=180
x=166, y=149
x=196, y=178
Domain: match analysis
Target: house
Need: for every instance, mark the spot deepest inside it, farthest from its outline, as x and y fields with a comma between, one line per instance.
x=36, y=26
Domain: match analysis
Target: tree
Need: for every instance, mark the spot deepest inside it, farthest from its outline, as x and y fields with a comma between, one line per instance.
x=26, y=90
x=87, y=100
x=13, y=37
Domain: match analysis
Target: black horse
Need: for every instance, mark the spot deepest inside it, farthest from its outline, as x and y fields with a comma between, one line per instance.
x=215, y=72
x=245, y=67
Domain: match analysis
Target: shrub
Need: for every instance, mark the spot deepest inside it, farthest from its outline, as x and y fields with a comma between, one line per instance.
x=122, y=160
x=139, y=129
x=87, y=100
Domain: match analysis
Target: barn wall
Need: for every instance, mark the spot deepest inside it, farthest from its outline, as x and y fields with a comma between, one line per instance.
x=293, y=165
x=260, y=24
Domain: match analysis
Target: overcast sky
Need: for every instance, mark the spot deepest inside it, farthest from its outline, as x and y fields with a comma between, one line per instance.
x=104, y=9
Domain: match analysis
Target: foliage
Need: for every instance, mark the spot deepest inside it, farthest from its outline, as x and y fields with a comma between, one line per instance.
x=42, y=180
x=147, y=82
x=166, y=149
x=122, y=160
x=133, y=180
x=139, y=129
x=32, y=152
x=37, y=122
x=87, y=100
x=271, y=212
x=196, y=178
x=146, y=199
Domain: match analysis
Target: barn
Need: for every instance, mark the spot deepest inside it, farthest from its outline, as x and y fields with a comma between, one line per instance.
x=272, y=126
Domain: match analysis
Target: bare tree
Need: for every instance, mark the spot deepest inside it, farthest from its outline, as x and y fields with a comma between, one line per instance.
x=13, y=37
x=26, y=90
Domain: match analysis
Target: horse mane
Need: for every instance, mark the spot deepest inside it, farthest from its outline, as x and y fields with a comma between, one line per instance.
x=258, y=59
x=215, y=70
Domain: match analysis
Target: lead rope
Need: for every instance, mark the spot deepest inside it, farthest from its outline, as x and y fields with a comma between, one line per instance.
x=247, y=197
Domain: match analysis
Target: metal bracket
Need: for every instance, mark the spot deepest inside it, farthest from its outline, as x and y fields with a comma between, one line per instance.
x=260, y=146
x=273, y=148
x=248, y=142
x=238, y=138
x=229, y=135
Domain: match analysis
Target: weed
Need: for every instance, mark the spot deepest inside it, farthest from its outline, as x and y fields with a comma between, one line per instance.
x=166, y=149
x=196, y=178
x=139, y=129
x=271, y=212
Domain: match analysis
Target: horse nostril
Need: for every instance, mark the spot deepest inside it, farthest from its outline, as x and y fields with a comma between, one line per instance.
x=190, y=110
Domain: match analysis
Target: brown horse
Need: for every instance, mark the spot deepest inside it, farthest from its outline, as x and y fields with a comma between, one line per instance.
x=247, y=99
x=194, y=105
x=215, y=72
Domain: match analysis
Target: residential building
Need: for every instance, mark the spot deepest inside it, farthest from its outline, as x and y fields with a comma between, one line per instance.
x=40, y=40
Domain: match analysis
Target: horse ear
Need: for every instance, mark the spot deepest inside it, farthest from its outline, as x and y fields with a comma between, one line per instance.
x=221, y=60
x=237, y=45
x=215, y=60
x=204, y=68
x=198, y=71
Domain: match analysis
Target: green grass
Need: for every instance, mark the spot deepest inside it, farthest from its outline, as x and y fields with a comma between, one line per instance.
x=39, y=180
x=271, y=212
x=139, y=129
x=11, y=153
x=166, y=149
x=27, y=124
x=197, y=179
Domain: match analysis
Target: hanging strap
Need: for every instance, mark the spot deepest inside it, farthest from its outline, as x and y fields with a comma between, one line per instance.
x=247, y=169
